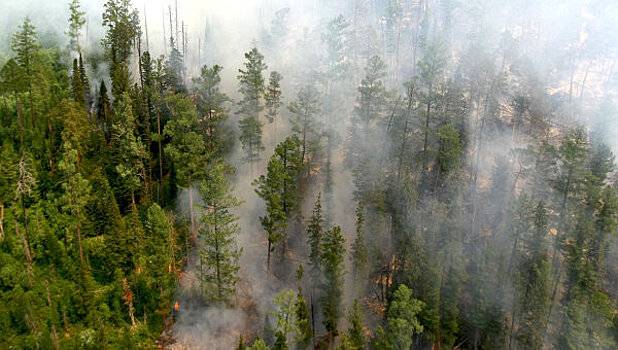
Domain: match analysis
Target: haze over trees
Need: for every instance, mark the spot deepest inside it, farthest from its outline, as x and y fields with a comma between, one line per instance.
x=356, y=174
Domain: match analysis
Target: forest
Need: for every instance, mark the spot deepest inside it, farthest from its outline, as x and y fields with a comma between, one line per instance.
x=309, y=174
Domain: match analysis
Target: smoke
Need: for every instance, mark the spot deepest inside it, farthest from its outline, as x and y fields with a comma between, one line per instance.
x=572, y=44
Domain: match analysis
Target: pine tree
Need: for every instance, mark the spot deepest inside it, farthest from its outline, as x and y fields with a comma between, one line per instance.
x=286, y=324
x=251, y=137
x=122, y=22
x=129, y=152
x=8, y=180
x=27, y=49
x=272, y=96
x=76, y=195
x=85, y=83
x=76, y=22
x=210, y=104
x=331, y=259
x=258, y=344
x=360, y=258
x=186, y=149
x=175, y=70
x=251, y=87
x=401, y=321
x=533, y=285
x=315, y=233
x=335, y=39
x=303, y=322
x=104, y=112
x=450, y=151
x=372, y=93
x=219, y=253
x=304, y=119
x=77, y=83
x=355, y=334
x=278, y=188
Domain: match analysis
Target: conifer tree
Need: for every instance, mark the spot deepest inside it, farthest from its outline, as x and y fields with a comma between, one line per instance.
x=303, y=322
x=286, y=325
x=85, y=82
x=278, y=188
x=104, y=112
x=401, y=321
x=8, y=179
x=314, y=234
x=210, y=104
x=533, y=283
x=129, y=152
x=174, y=69
x=359, y=251
x=272, y=96
x=26, y=46
x=76, y=195
x=304, y=119
x=77, y=83
x=219, y=253
x=335, y=39
x=355, y=335
x=76, y=22
x=186, y=149
x=251, y=87
x=122, y=22
x=331, y=259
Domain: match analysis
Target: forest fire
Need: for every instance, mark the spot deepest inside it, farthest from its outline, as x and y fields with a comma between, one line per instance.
x=309, y=174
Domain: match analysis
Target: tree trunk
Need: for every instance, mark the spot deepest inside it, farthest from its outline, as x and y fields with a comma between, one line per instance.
x=54, y=334
x=1, y=221
x=79, y=243
x=268, y=256
x=160, y=155
x=27, y=254
x=192, y=217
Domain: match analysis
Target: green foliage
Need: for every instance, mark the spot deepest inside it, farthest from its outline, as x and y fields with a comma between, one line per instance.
x=219, y=253
x=258, y=344
x=129, y=152
x=372, y=93
x=76, y=22
x=286, y=323
x=305, y=124
x=533, y=287
x=251, y=137
x=450, y=149
x=335, y=37
x=122, y=22
x=315, y=231
x=401, y=321
x=278, y=189
x=355, y=334
x=303, y=322
x=360, y=255
x=251, y=87
x=210, y=105
x=272, y=96
x=332, y=252
x=187, y=149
